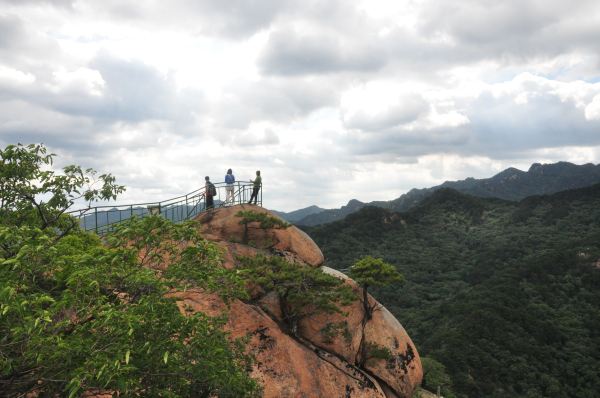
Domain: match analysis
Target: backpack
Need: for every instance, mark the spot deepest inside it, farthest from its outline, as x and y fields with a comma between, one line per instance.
x=212, y=191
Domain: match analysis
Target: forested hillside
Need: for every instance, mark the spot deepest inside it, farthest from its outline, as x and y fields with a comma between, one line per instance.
x=506, y=295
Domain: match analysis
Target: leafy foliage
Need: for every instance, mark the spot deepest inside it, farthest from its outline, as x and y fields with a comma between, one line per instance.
x=266, y=221
x=333, y=329
x=32, y=193
x=303, y=291
x=375, y=351
x=435, y=376
x=505, y=295
x=370, y=271
x=193, y=261
x=77, y=315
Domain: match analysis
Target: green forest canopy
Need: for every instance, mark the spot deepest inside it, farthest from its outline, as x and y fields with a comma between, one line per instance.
x=505, y=295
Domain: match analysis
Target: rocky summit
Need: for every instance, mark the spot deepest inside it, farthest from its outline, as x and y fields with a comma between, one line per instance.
x=309, y=363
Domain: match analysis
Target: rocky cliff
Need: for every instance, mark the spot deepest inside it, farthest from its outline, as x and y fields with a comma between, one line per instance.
x=310, y=363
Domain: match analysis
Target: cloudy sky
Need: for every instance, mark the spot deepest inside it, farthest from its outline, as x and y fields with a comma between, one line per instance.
x=332, y=100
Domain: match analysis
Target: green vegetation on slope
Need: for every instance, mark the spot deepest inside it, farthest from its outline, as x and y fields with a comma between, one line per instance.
x=302, y=291
x=505, y=295
x=78, y=315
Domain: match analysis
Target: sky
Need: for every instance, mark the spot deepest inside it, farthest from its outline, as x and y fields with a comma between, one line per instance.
x=331, y=100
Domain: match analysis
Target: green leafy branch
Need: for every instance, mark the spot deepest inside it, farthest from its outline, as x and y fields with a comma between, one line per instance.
x=302, y=291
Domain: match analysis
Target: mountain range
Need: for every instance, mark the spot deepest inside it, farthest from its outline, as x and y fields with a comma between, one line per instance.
x=504, y=294
x=511, y=184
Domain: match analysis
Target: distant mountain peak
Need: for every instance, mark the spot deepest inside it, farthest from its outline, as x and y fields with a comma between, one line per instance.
x=535, y=167
x=354, y=203
x=510, y=184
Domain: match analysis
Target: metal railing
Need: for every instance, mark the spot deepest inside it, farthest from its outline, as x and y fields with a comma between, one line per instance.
x=104, y=219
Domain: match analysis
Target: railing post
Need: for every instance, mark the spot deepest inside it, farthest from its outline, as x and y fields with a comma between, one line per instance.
x=96, y=217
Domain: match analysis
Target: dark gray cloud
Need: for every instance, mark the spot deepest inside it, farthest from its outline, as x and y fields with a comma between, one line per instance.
x=133, y=91
x=108, y=105
x=405, y=110
x=274, y=99
x=402, y=145
x=231, y=19
x=480, y=30
x=53, y=3
x=237, y=17
x=267, y=137
x=526, y=115
x=501, y=127
x=289, y=52
x=109, y=89
x=448, y=34
x=12, y=32
x=28, y=123
x=22, y=47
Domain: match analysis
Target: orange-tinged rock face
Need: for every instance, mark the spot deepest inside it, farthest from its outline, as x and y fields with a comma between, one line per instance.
x=343, y=334
x=327, y=357
x=223, y=225
x=403, y=370
x=284, y=366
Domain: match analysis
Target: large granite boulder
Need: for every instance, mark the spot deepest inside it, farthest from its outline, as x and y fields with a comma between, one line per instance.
x=329, y=356
x=284, y=366
x=349, y=335
x=223, y=225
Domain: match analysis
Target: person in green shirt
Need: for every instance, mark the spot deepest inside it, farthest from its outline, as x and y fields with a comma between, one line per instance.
x=257, y=183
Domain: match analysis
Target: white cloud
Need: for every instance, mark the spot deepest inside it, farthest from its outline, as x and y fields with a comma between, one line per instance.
x=327, y=98
x=10, y=76
x=592, y=110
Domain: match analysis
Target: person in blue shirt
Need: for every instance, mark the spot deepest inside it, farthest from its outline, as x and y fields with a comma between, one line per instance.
x=229, y=189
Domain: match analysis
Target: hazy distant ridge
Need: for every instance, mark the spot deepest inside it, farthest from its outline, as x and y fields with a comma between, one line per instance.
x=510, y=184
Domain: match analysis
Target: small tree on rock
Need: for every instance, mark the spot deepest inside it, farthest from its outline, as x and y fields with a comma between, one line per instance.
x=370, y=271
x=266, y=221
x=367, y=272
x=302, y=291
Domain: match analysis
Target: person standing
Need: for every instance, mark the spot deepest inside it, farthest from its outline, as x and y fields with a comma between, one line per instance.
x=229, y=180
x=256, y=187
x=209, y=192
